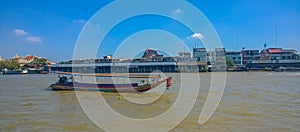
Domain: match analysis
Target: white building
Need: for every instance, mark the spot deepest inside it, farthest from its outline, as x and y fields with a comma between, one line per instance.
x=235, y=56
x=184, y=56
x=200, y=55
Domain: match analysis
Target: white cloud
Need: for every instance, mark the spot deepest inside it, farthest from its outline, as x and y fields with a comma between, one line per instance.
x=197, y=35
x=33, y=39
x=28, y=37
x=79, y=21
x=176, y=11
x=20, y=32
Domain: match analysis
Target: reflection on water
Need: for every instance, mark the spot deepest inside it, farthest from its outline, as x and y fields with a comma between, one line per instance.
x=262, y=101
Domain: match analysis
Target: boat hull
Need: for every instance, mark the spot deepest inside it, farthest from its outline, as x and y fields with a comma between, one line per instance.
x=134, y=87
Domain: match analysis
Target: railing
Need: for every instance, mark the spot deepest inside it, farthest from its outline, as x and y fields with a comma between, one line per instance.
x=276, y=61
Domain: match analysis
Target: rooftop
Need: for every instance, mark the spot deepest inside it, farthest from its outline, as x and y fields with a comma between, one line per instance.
x=274, y=50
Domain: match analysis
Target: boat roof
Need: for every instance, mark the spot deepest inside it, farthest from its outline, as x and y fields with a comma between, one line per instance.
x=126, y=75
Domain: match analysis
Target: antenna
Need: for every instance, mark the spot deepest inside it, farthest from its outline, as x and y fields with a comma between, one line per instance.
x=210, y=53
x=237, y=40
x=265, y=45
x=276, y=37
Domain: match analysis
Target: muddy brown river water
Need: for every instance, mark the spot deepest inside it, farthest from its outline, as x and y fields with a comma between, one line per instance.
x=252, y=101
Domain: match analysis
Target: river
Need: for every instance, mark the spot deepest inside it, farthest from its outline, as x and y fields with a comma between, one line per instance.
x=252, y=101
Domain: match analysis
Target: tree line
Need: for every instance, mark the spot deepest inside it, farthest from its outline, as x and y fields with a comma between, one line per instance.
x=14, y=65
x=10, y=65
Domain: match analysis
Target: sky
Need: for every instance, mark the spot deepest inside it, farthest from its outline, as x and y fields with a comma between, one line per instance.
x=51, y=28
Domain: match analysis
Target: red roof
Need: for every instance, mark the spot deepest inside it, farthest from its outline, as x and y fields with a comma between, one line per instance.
x=29, y=57
x=274, y=50
x=150, y=53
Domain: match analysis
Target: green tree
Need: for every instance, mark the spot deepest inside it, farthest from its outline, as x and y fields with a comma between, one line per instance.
x=1, y=65
x=229, y=62
x=10, y=65
x=40, y=62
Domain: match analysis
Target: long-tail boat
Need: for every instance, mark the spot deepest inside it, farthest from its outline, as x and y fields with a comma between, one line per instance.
x=146, y=82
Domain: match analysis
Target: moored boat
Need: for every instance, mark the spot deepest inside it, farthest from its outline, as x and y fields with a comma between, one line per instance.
x=147, y=82
x=24, y=71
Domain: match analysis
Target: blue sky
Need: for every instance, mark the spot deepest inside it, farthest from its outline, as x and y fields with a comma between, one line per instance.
x=50, y=28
